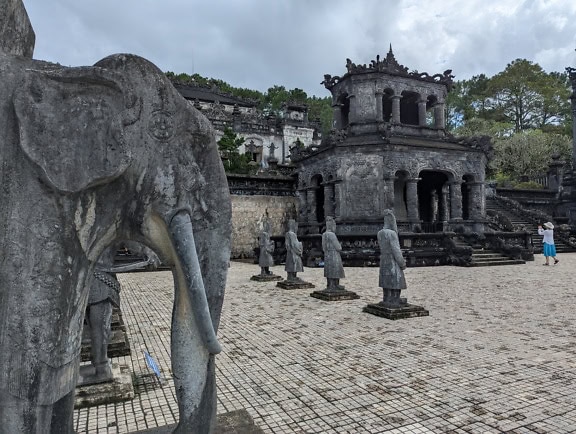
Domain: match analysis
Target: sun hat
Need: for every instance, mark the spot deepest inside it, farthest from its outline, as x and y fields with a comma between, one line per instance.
x=548, y=225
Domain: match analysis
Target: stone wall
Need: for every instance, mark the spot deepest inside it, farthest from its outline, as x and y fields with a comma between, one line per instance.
x=248, y=213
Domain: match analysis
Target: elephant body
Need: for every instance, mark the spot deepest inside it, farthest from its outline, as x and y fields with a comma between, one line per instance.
x=90, y=156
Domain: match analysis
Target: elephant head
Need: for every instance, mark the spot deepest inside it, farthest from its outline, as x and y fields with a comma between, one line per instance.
x=93, y=155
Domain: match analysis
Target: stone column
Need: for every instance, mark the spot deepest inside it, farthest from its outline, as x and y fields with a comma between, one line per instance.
x=445, y=216
x=476, y=200
x=412, y=200
x=328, y=199
x=439, y=121
x=456, y=200
x=379, y=110
x=302, y=205
x=422, y=113
x=337, y=116
x=396, y=109
x=337, y=191
x=389, y=192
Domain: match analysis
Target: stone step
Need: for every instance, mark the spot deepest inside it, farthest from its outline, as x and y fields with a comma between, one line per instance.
x=501, y=262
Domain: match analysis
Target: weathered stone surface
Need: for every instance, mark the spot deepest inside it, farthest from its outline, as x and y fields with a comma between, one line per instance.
x=396, y=312
x=118, y=390
x=247, y=215
x=16, y=34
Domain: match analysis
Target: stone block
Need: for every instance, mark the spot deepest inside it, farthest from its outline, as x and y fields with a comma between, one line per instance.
x=394, y=313
x=118, y=390
x=334, y=295
x=265, y=277
x=285, y=284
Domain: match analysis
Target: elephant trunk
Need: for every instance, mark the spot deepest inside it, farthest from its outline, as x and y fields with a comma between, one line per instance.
x=183, y=241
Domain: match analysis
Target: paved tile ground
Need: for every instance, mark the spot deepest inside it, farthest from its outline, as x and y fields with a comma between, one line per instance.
x=497, y=354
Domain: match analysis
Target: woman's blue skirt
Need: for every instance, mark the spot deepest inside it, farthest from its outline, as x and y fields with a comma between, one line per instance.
x=549, y=249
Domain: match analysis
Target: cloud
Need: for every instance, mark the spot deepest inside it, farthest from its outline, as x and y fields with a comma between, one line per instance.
x=261, y=43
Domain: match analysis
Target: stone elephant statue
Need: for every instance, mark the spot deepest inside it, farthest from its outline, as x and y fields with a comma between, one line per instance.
x=90, y=156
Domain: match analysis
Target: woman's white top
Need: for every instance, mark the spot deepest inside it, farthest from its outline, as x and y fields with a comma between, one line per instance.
x=548, y=235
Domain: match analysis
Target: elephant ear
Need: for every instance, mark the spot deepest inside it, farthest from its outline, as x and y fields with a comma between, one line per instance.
x=71, y=124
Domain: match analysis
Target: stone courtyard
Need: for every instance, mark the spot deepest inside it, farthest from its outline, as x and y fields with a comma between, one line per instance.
x=497, y=354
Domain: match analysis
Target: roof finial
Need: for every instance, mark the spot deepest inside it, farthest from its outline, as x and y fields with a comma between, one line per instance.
x=390, y=55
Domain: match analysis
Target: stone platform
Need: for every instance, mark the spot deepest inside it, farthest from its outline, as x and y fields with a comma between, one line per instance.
x=266, y=277
x=119, y=390
x=338, y=295
x=394, y=313
x=286, y=284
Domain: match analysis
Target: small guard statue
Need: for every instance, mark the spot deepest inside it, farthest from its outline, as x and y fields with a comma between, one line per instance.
x=391, y=278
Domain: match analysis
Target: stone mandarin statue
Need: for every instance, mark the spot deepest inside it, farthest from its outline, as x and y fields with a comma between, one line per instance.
x=333, y=268
x=392, y=263
x=104, y=295
x=265, y=259
x=293, y=252
x=74, y=141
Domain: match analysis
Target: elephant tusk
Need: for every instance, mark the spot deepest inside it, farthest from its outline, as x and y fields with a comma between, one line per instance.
x=182, y=236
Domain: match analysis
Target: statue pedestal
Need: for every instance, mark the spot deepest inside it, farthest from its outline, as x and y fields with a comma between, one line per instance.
x=294, y=284
x=118, y=390
x=334, y=295
x=265, y=277
x=396, y=312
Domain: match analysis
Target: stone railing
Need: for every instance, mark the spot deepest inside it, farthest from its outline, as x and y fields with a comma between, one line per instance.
x=268, y=185
x=533, y=216
x=515, y=245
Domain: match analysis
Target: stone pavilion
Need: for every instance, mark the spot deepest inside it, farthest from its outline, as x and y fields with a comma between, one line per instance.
x=389, y=149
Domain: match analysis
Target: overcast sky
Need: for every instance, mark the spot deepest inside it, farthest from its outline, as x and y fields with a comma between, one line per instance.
x=260, y=43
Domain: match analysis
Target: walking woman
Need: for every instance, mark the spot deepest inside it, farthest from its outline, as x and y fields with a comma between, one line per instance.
x=549, y=249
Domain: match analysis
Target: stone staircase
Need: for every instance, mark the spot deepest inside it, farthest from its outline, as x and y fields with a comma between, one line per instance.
x=484, y=257
x=521, y=223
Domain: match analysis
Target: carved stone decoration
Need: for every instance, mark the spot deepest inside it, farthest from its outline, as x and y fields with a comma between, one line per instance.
x=161, y=125
x=361, y=172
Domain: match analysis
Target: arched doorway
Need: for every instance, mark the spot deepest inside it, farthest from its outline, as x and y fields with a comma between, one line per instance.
x=432, y=202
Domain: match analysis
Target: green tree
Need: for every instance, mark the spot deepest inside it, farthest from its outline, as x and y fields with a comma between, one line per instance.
x=229, y=145
x=321, y=108
x=528, y=97
x=529, y=153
